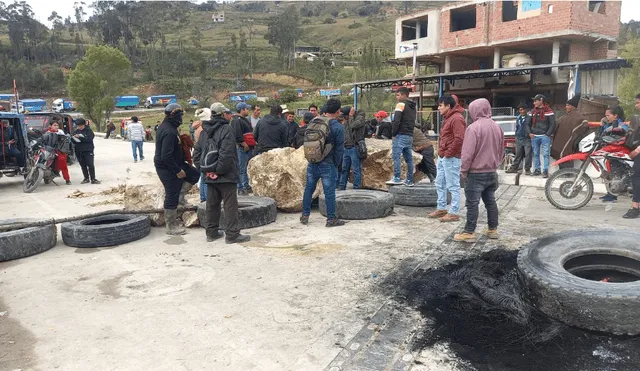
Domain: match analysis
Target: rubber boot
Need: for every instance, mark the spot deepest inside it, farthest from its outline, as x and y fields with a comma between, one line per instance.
x=186, y=187
x=171, y=221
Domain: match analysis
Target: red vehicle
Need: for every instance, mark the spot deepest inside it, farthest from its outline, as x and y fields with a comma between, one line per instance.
x=410, y=86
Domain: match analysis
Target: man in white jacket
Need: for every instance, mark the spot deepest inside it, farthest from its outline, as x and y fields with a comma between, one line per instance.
x=136, y=135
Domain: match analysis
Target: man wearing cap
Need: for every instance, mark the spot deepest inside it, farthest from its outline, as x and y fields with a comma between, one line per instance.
x=540, y=126
x=271, y=132
x=353, y=133
x=136, y=135
x=571, y=128
x=241, y=128
x=83, y=138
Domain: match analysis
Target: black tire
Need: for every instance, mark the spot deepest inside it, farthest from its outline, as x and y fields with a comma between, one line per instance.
x=545, y=266
x=359, y=204
x=32, y=180
x=27, y=241
x=421, y=194
x=107, y=230
x=253, y=211
x=550, y=192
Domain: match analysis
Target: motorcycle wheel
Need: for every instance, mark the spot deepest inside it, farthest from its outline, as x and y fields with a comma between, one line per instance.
x=33, y=179
x=507, y=161
x=557, y=189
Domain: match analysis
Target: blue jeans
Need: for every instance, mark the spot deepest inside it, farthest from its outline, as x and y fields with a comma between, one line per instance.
x=448, y=180
x=541, y=143
x=326, y=172
x=402, y=145
x=349, y=159
x=203, y=188
x=243, y=161
x=137, y=144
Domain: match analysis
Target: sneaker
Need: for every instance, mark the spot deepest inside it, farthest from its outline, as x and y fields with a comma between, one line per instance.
x=241, y=192
x=465, y=237
x=437, y=214
x=492, y=234
x=68, y=182
x=609, y=198
x=545, y=174
x=249, y=190
x=141, y=158
x=408, y=183
x=135, y=161
x=536, y=173
x=95, y=181
x=449, y=218
x=633, y=213
x=527, y=172
x=335, y=223
x=304, y=219
x=511, y=170
x=85, y=181
x=240, y=239
x=394, y=181
x=214, y=236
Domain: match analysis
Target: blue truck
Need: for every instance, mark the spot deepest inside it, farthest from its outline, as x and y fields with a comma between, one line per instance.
x=7, y=96
x=62, y=105
x=127, y=101
x=30, y=105
x=160, y=100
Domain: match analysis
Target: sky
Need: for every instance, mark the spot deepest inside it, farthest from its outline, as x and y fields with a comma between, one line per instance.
x=43, y=8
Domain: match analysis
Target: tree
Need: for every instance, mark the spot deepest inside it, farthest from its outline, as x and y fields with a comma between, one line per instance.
x=284, y=32
x=97, y=79
x=629, y=78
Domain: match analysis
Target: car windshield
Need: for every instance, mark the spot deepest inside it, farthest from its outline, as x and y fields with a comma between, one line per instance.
x=36, y=122
x=507, y=126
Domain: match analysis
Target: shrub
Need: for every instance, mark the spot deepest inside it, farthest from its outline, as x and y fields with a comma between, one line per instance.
x=355, y=25
x=329, y=20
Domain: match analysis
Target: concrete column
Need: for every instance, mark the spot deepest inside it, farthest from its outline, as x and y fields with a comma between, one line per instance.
x=447, y=64
x=496, y=58
x=555, y=58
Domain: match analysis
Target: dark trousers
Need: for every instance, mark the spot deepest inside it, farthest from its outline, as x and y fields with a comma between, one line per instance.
x=481, y=186
x=227, y=194
x=635, y=180
x=10, y=151
x=523, y=151
x=85, y=159
x=172, y=184
x=428, y=165
x=109, y=131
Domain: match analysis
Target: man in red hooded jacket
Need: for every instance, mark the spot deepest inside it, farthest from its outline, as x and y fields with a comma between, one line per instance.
x=449, y=154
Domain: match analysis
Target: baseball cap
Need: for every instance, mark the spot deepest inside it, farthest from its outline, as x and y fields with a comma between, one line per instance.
x=539, y=97
x=218, y=108
x=345, y=110
x=308, y=117
x=242, y=105
x=381, y=114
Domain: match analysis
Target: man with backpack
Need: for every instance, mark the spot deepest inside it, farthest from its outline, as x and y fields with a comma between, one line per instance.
x=245, y=142
x=354, y=126
x=216, y=155
x=323, y=148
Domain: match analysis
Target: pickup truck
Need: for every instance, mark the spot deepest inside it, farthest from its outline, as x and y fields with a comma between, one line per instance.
x=127, y=101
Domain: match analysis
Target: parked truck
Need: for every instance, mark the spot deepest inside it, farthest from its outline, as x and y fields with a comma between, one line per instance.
x=160, y=100
x=29, y=105
x=62, y=105
x=127, y=101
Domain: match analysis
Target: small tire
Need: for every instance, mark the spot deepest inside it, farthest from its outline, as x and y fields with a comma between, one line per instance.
x=421, y=194
x=32, y=180
x=545, y=266
x=359, y=204
x=25, y=242
x=106, y=230
x=253, y=211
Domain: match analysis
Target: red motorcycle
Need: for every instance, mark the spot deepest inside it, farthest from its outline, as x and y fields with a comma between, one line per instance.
x=603, y=157
x=41, y=163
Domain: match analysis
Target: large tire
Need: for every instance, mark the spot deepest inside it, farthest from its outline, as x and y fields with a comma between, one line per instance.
x=546, y=264
x=32, y=180
x=568, y=175
x=107, y=230
x=358, y=204
x=421, y=194
x=27, y=241
x=253, y=211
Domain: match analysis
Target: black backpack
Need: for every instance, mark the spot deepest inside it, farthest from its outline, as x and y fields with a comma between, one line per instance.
x=209, y=158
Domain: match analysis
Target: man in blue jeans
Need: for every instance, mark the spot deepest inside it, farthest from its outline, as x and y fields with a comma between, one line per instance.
x=354, y=126
x=540, y=126
x=136, y=135
x=402, y=134
x=326, y=170
x=241, y=128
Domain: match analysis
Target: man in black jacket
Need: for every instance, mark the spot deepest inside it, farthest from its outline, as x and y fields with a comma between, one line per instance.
x=271, y=132
x=221, y=183
x=83, y=138
x=354, y=126
x=306, y=119
x=292, y=127
x=402, y=134
x=176, y=175
x=241, y=129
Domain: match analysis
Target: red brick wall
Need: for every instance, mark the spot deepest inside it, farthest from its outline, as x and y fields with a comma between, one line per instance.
x=600, y=50
x=541, y=24
x=465, y=38
x=584, y=20
x=579, y=51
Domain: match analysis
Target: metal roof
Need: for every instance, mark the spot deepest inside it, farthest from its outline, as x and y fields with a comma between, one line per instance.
x=604, y=64
x=10, y=115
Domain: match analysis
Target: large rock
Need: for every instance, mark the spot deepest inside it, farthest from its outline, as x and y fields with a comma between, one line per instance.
x=281, y=174
x=151, y=196
x=377, y=168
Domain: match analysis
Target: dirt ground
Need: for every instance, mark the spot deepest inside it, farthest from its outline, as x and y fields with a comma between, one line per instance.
x=293, y=298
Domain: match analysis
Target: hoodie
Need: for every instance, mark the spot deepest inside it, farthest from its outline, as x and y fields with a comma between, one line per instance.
x=270, y=133
x=483, y=147
x=404, y=118
x=169, y=153
x=219, y=130
x=452, y=133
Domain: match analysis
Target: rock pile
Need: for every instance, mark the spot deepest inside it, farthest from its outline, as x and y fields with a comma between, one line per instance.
x=377, y=168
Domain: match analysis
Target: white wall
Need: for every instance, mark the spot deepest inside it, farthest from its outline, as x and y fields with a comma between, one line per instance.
x=426, y=46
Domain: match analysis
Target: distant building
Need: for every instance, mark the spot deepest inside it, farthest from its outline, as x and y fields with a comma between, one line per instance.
x=218, y=17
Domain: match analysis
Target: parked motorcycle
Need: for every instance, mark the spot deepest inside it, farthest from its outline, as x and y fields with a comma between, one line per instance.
x=602, y=156
x=41, y=161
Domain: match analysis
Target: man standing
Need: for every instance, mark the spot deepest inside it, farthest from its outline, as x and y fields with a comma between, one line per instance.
x=402, y=134
x=292, y=127
x=306, y=119
x=271, y=132
x=540, y=126
x=59, y=141
x=326, y=169
x=176, y=175
x=449, y=154
x=314, y=110
x=255, y=116
x=136, y=135
x=570, y=129
x=8, y=137
x=523, y=144
x=241, y=129
x=354, y=126
x=83, y=136
x=482, y=154
x=222, y=181
x=110, y=128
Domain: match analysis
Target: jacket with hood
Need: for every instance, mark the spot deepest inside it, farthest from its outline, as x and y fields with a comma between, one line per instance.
x=452, y=133
x=270, y=133
x=219, y=130
x=541, y=121
x=483, y=147
x=240, y=126
x=404, y=118
x=354, y=129
x=385, y=128
x=85, y=143
x=169, y=153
